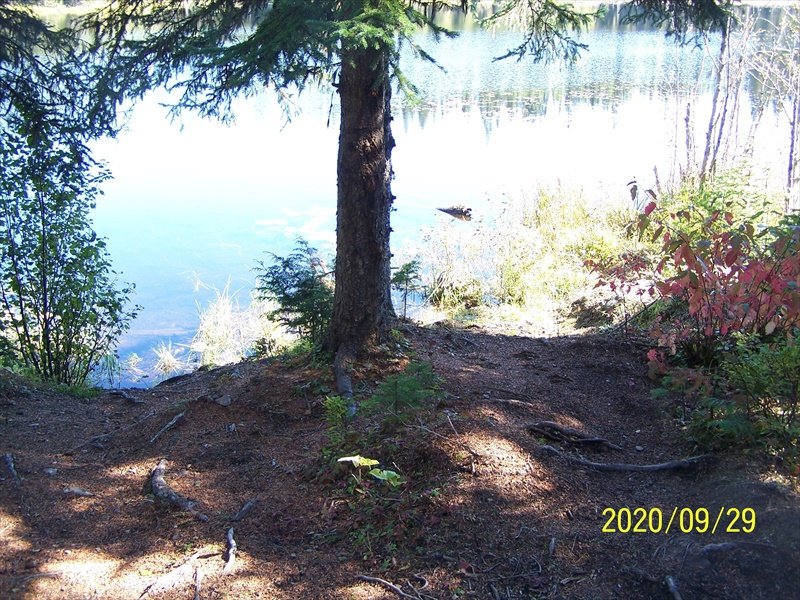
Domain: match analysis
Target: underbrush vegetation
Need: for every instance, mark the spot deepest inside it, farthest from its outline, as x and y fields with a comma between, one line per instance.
x=383, y=498
x=229, y=332
x=529, y=255
x=301, y=286
x=62, y=308
x=721, y=267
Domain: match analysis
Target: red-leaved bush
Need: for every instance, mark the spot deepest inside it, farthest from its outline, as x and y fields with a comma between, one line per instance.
x=732, y=276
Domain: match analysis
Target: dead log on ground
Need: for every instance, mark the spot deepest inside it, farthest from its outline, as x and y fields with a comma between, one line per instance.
x=684, y=463
x=568, y=435
x=166, y=494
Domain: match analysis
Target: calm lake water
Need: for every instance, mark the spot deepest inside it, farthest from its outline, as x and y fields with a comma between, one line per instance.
x=194, y=203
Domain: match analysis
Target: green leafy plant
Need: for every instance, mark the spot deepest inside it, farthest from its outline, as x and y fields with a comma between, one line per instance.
x=370, y=466
x=407, y=280
x=61, y=307
x=731, y=350
x=303, y=289
x=765, y=391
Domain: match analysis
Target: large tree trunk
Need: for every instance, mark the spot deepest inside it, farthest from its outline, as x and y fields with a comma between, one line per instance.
x=362, y=306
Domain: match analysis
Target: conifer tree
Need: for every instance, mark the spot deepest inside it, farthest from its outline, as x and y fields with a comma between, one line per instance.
x=213, y=50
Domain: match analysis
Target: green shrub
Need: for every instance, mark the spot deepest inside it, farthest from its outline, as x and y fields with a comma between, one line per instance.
x=62, y=311
x=303, y=289
x=765, y=379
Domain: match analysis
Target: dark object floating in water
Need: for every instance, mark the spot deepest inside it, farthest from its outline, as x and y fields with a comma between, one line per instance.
x=458, y=212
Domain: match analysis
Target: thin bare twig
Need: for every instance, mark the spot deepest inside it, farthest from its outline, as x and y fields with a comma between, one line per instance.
x=106, y=436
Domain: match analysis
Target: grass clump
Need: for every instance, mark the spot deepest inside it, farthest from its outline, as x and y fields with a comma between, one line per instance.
x=529, y=254
x=229, y=332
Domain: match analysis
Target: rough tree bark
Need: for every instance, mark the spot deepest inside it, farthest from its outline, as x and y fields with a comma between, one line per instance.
x=362, y=305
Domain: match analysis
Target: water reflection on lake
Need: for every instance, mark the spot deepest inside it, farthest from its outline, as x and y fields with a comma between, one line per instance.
x=194, y=201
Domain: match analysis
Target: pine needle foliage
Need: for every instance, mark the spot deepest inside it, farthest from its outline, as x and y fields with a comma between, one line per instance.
x=403, y=395
x=302, y=288
x=407, y=280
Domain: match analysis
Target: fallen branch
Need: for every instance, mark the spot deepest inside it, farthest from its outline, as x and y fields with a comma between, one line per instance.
x=388, y=585
x=568, y=435
x=164, y=493
x=231, y=553
x=515, y=395
x=672, y=586
x=9, y=460
x=639, y=573
x=105, y=436
x=684, y=463
x=461, y=444
x=168, y=426
x=244, y=510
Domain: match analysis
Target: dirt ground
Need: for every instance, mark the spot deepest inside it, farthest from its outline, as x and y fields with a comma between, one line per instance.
x=488, y=511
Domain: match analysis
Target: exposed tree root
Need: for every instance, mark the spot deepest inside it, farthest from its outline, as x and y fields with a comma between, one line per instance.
x=568, y=435
x=387, y=584
x=104, y=437
x=684, y=463
x=672, y=586
x=9, y=460
x=175, y=420
x=248, y=506
x=166, y=494
x=231, y=552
